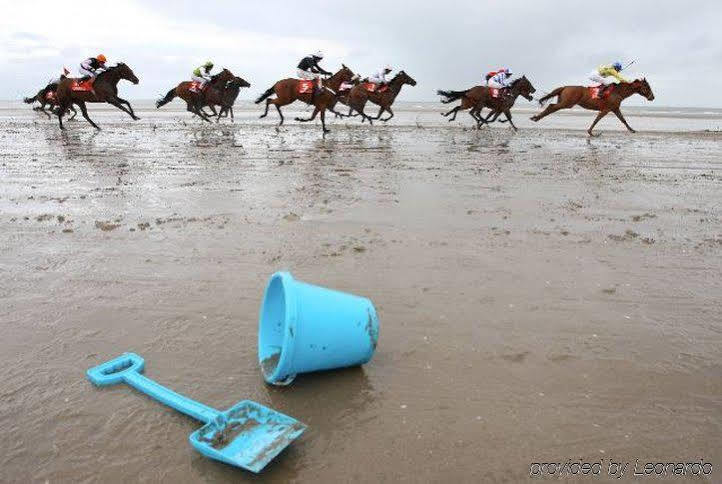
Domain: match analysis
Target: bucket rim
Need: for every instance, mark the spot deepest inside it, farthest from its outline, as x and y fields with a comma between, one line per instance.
x=289, y=328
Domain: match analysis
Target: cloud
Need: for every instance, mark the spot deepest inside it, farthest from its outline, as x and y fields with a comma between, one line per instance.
x=441, y=44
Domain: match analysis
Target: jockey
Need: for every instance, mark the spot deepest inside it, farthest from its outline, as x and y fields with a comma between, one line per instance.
x=499, y=79
x=309, y=69
x=379, y=78
x=92, y=66
x=605, y=75
x=202, y=74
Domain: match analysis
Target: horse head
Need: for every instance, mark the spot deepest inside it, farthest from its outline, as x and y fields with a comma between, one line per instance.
x=524, y=87
x=224, y=76
x=345, y=73
x=125, y=72
x=238, y=82
x=404, y=78
x=642, y=87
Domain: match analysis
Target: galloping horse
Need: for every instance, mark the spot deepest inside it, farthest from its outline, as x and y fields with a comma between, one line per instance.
x=569, y=96
x=228, y=98
x=105, y=90
x=479, y=97
x=286, y=91
x=195, y=101
x=46, y=97
x=359, y=95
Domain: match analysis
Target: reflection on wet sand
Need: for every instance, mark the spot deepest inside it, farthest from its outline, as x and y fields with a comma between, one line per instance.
x=541, y=295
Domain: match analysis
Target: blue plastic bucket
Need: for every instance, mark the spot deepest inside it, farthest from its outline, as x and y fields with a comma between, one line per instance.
x=304, y=328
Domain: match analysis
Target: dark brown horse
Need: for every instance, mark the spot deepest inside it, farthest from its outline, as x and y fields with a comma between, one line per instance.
x=47, y=97
x=504, y=103
x=195, y=101
x=569, y=96
x=286, y=91
x=479, y=97
x=359, y=96
x=105, y=90
x=228, y=98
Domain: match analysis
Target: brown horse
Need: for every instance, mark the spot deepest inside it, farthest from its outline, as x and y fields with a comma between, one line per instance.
x=286, y=91
x=359, y=95
x=195, y=101
x=47, y=97
x=105, y=90
x=569, y=96
x=478, y=98
x=228, y=98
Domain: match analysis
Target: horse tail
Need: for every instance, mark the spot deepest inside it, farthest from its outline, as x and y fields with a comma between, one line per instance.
x=451, y=96
x=165, y=100
x=268, y=92
x=555, y=92
x=30, y=100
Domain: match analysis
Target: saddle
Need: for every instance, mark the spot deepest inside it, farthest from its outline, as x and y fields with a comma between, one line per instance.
x=196, y=86
x=82, y=85
x=600, y=92
x=371, y=87
x=497, y=93
x=305, y=86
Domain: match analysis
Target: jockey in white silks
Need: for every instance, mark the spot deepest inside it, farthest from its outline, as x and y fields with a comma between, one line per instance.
x=379, y=77
x=500, y=79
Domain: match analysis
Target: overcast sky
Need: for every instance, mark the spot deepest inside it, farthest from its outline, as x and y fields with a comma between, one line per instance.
x=442, y=44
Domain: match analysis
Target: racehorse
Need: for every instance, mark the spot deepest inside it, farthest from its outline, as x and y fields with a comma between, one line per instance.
x=195, y=101
x=47, y=97
x=228, y=98
x=569, y=96
x=287, y=91
x=359, y=95
x=479, y=97
x=105, y=90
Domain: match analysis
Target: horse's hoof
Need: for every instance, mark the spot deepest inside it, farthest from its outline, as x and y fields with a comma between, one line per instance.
x=534, y=118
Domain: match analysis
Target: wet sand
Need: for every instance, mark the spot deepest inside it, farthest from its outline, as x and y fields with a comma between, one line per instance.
x=542, y=296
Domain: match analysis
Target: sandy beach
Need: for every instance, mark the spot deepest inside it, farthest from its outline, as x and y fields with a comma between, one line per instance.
x=542, y=297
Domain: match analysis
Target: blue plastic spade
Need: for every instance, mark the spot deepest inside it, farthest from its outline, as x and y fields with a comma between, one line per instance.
x=247, y=435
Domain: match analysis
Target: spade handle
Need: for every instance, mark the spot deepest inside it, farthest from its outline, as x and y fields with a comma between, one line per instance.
x=127, y=368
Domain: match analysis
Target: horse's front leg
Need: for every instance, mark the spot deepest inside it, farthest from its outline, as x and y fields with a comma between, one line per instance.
x=391, y=114
x=323, y=122
x=117, y=104
x=130, y=108
x=624, y=121
x=507, y=113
